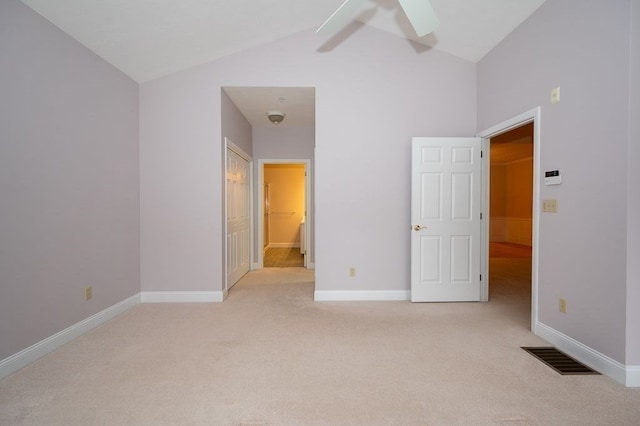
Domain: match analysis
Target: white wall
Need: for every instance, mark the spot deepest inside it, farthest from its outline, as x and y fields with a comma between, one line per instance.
x=69, y=214
x=583, y=47
x=373, y=93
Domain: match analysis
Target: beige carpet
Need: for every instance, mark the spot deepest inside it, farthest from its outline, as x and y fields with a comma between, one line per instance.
x=269, y=355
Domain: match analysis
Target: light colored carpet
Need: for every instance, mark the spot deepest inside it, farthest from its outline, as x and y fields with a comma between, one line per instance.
x=269, y=355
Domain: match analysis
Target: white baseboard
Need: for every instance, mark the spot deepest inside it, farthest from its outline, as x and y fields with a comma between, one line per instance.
x=626, y=375
x=181, y=296
x=364, y=295
x=34, y=352
x=633, y=376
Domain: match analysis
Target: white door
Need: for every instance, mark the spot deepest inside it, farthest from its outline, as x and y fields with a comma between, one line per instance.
x=445, y=219
x=238, y=217
x=266, y=216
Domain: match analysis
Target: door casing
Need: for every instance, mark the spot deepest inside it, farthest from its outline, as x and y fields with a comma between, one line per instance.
x=531, y=116
x=259, y=260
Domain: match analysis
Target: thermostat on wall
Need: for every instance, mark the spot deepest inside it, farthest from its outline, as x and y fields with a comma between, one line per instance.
x=552, y=177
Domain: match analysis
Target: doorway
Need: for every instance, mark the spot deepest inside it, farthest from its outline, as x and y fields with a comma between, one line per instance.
x=511, y=233
x=510, y=219
x=284, y=221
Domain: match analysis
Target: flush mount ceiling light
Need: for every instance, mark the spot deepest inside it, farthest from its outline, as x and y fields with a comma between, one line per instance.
x=275, y=117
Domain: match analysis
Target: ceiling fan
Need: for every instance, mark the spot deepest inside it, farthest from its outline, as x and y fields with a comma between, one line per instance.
x=419, y=12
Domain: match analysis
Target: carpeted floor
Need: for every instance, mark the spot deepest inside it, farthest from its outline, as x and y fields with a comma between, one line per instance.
x=270, y=355
x=276, y=257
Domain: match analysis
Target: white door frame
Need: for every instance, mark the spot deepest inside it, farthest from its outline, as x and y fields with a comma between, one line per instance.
x=266, y=228
x=517, y=121
x=235, y=148
x=308, y=218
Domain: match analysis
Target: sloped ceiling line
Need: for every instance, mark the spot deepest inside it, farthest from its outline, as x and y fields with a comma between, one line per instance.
x=147, y=39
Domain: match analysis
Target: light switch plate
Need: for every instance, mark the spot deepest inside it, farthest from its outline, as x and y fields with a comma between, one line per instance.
x=555, y=95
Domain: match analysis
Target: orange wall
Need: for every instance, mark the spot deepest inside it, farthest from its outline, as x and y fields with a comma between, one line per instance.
x=511, y=201
x=520, y=189
x=498, y=206
x=511, y=189
x=287, y=196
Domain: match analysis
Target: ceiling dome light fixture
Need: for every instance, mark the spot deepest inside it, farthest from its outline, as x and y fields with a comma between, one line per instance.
x=276, y=117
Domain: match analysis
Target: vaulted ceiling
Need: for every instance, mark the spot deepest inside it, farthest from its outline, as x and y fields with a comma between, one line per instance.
x=147, y=39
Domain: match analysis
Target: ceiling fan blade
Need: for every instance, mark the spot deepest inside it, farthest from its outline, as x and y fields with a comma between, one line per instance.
x=421, y=15
x=340, y=17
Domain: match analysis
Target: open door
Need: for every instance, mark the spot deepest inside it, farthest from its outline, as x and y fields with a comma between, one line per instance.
x=446, y=219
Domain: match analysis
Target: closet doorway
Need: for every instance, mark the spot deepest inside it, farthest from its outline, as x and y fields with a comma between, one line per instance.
x=511, y=220
x=518, y=228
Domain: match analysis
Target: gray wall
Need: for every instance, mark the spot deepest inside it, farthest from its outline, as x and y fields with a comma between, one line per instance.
x=373, y=92
x=583, y=47
x=285, y=142
x=69, y=215
x=292, y=143
x=633, y=208
x=69, y=163
x=234, y=125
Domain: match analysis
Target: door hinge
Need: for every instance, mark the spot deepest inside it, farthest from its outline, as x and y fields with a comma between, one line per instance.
x=480, y=216
x=481, y=154
x=480, y=277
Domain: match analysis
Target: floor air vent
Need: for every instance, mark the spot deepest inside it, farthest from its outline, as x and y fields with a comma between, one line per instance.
x=559, y=361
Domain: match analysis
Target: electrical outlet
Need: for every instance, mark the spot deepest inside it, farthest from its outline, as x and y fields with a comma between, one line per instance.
x=352, y=272
x=550, y=206
x=88, y=292
x=562, y=305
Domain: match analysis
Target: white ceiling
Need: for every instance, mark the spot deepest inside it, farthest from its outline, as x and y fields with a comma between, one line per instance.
x=147, y=39
x=297, y=103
